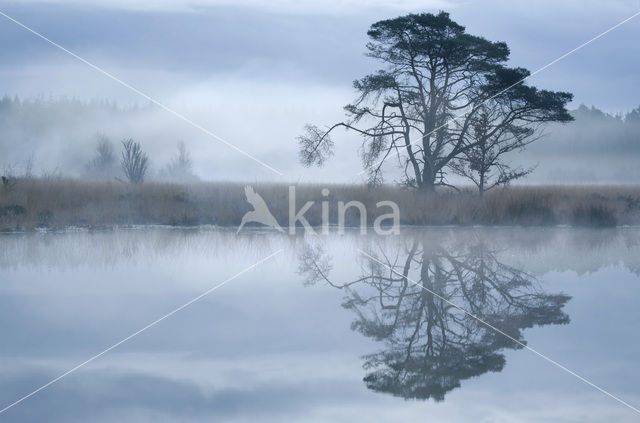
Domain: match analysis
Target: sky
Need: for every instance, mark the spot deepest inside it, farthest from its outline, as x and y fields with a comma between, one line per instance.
x=255, y=72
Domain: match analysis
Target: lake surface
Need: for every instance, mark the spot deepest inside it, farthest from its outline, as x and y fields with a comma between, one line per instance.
x=332, y=328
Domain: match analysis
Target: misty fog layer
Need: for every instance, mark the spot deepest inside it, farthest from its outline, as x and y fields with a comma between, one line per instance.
x=59, y=136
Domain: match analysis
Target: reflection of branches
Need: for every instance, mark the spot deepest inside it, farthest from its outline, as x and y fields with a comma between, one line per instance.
x=430, y=345
x=315, y=265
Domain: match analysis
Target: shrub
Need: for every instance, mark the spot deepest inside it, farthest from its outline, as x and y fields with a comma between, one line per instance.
x=134, y=161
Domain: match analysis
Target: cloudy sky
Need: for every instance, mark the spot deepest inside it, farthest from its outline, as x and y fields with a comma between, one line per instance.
x=254, y=72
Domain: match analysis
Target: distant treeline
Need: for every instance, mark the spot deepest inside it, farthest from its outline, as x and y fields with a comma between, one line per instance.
x=25, y=120
x=594, y=131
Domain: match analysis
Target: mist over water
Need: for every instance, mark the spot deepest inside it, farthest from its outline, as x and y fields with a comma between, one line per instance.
x=284, y=342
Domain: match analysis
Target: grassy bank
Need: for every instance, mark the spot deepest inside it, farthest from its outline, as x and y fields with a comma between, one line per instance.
x=58, y=203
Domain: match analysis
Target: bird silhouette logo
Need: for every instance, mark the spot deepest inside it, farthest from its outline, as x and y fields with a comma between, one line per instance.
x=260, y=212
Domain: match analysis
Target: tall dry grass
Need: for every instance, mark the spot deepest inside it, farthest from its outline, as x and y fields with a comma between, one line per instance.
x=60, y=203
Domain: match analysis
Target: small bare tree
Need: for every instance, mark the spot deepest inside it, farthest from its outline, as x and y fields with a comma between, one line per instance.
x=134, y=161
x=180, y=168
x=104, y=163
x=28, y=167
x=505, y=123
x=484, y=164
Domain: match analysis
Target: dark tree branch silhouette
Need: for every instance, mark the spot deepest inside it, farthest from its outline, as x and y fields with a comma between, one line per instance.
x=104, y=163
x=422, y=105
x=134, y=161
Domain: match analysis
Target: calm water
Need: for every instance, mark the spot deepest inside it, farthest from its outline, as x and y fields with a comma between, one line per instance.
x=321, y=332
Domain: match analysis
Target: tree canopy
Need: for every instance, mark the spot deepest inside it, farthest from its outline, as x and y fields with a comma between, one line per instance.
x=423, y=105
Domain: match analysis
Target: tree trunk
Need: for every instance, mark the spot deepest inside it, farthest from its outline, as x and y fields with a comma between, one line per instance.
x=428, y=178
x=483, y=166
x=428, y=185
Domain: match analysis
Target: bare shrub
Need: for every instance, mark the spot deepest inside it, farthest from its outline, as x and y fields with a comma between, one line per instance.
x=135, y=162
x=180, y=168
x=104, y=163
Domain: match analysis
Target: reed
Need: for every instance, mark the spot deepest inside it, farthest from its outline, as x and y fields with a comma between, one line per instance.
x=61, y=203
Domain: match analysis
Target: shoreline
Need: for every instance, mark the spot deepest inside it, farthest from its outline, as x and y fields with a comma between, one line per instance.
x=59, y=204
x=259, y=230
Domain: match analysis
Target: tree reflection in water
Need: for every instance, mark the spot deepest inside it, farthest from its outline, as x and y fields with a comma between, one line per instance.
x=430, y=346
